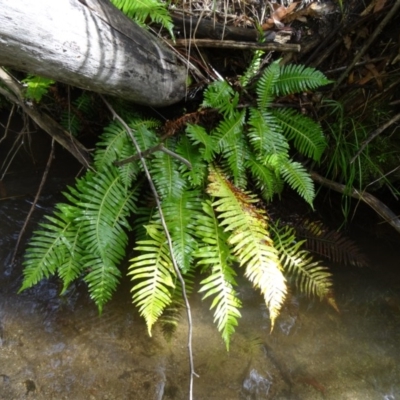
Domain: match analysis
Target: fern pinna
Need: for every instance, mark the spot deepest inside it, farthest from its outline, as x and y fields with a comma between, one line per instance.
x=215, y=223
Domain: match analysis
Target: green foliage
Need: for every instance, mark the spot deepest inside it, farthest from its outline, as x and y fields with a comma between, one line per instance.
x=36, y=87
x=214, y=221
x=142, y=10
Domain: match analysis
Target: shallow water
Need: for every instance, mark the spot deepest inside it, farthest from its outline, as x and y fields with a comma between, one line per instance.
x=55, y=347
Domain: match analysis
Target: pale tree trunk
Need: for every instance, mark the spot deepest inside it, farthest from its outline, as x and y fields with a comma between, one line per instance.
x=92, y=45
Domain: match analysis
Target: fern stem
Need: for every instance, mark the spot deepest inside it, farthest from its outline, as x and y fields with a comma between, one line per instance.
x=169, y=240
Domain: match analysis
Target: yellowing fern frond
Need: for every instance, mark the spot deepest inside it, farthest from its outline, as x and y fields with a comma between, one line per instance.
x=250, y=240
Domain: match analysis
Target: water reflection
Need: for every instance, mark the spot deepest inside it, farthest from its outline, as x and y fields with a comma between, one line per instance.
x=55, y=347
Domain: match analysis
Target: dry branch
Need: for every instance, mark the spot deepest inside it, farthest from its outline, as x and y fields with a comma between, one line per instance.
x=92, y=45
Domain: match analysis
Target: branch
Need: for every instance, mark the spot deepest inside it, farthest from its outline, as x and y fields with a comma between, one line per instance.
x=170, y=246
x=48, y=124
x=380, y=208
x=232, y=44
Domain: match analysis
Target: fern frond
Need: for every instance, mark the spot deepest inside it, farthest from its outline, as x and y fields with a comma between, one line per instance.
x=265, y=134
x=306, y=134
x=197, y=174
x=265, y=178
x=215, y=255
x=36, y=87
x=266, y=85
x=229, y=130
x=298, y=179
x=105, y=205
x=141, y=10
x=220, y=95
x=165, y=172
x=250, y=238
x=154, y=271
x=234, y=161
x=180, y=215
x=309, y=276
x=330, y=244
x=298, y=78
x=198, y=135
x=48, y=248
x=253, y=69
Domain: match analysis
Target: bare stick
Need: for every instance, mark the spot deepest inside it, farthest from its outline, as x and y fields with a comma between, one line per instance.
x=168, y=236
x=374, y=134
x=28, y=217
x=380, y=208
x=232, y=44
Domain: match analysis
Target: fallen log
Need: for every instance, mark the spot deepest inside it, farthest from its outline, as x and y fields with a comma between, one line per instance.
x=92, y=45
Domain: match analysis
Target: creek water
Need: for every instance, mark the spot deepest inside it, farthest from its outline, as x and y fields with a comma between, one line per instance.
x=54, y=348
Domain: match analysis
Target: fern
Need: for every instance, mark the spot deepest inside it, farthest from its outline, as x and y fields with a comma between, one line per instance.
x=220, y=95
x=141, y=10
x=180, y=214
x=250, y=238
x=306, y=134
x=36, y=87
x=153, y=268
x=298, y=78
x=266, y=86
x=215, y=256
x=298, y=179
x=310, y=277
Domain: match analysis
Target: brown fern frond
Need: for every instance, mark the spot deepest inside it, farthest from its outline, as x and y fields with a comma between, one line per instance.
x=329, y=244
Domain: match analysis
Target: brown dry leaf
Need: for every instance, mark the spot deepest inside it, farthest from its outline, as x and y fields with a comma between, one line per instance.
x=379, y=5
x=279, y=13
x=347, y=42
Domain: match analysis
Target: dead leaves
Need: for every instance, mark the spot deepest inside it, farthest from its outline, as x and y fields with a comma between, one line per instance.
x=281, y=15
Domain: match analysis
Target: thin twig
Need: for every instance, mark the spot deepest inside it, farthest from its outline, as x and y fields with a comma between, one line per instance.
x=374, y=134
x=169, y=240
x=39, y=191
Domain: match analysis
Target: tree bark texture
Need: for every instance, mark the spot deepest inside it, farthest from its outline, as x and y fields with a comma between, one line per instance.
x=92, y=45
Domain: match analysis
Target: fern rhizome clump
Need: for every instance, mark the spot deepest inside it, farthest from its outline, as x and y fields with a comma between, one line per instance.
x=214, y=221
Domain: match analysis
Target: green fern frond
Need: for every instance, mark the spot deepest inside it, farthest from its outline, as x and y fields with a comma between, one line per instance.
x=165, y=172
x=265, y=134
x=253, y=69
x=298, y=78
x=309, y=276
x=306, y=134
x=154, y=271
x=196, y=175
x=141, y=10
x=229, y=130
x=36, y=87
x=266, y=86
x=250, y=238
x=298, y=179
x=215, y=255
x=266, y=179
x=48, y=249
x=220, y=95
x=105, y=205
x=198, y=135
x=180, y=215
x=235, y=161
